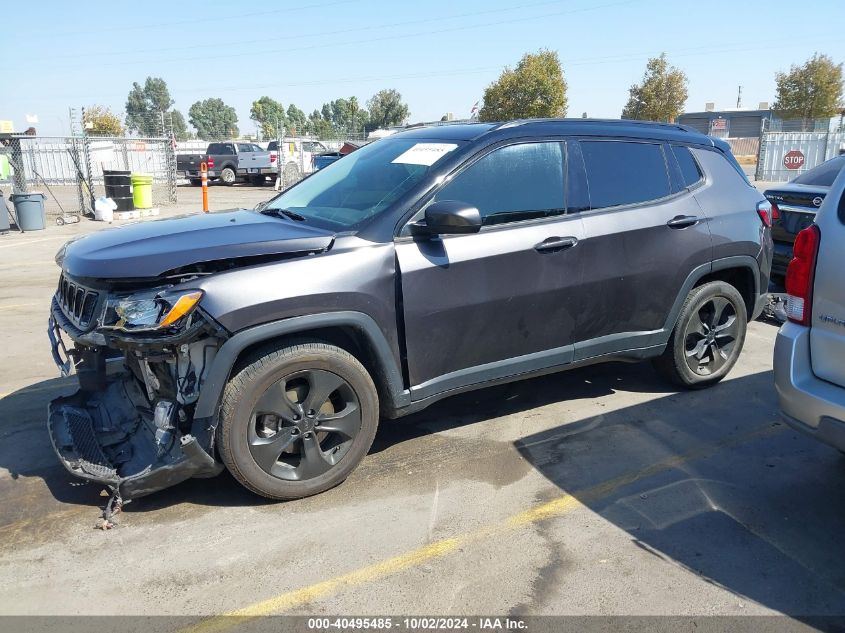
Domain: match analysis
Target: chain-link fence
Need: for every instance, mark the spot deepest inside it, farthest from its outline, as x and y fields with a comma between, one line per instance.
x=69, y=170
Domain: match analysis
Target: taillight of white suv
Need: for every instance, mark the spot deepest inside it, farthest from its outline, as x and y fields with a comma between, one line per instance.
x=800, y=275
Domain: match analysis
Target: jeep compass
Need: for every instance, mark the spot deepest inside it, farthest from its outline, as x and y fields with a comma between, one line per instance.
x=438, y=260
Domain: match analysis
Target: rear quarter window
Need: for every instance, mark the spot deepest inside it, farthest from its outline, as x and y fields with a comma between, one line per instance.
x=690, y=171
x=624, y=172
x=823, y=175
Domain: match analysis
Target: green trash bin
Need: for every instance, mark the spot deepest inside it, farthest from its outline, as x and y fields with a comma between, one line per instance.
x=5, y=169
x=142, y=191
x=29, y=210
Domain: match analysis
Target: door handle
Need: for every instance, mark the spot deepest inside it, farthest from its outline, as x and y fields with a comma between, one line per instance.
x=683, y=221
x=554, y=244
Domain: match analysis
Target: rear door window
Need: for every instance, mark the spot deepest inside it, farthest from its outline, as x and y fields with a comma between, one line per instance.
x=245, y=147
x=690, y=172
x=221, y=149
x=824, y=174
x=512, y=183
x=624, y=172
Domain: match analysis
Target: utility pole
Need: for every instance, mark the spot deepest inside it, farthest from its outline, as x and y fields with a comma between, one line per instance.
x=739, y=98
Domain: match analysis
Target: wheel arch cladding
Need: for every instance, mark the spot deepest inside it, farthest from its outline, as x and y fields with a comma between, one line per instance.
x=355, y=332
x=741, y=276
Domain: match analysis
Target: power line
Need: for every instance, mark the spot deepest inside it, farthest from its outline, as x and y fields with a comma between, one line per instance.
x=299, y=36
x=566, y=63
x=221, y=18
x=370, y=40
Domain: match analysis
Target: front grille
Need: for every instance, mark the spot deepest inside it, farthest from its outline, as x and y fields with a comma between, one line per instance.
x=78, y=303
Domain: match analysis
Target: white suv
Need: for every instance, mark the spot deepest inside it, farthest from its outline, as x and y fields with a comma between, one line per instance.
x=809, y=361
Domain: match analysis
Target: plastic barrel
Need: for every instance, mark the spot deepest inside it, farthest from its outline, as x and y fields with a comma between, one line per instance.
x=119, y=188
x=142, y=191
x=29, y=209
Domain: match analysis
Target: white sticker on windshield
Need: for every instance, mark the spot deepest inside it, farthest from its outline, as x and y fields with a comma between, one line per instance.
x=424, y=153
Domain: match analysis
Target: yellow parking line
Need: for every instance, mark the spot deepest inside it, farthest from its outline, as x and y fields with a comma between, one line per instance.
x=555, y=508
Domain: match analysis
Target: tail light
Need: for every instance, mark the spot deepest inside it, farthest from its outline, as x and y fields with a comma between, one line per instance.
x=800, y=275
x=273, y=158
x=210, y=163
x=766, y=212
x=775, y=213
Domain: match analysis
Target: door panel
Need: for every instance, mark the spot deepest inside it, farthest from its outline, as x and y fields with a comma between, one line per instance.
x=475, y=299
x=637, y=266
x=504, y=293
x=637, y=257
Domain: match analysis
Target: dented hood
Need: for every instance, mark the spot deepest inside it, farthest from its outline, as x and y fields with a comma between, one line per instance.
x=148, y=249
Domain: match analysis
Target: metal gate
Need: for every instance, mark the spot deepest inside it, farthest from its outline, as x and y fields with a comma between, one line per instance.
x=805, y=150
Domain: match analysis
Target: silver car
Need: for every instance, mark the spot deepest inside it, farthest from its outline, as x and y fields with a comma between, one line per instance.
x=809, y=361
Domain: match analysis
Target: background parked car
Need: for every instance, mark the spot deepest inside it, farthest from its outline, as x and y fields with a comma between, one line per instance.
x=327, y=158
x=794, y=207
x=229, y=162
x=809, y=362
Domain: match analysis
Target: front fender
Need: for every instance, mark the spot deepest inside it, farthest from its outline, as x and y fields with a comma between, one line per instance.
x=224, y=361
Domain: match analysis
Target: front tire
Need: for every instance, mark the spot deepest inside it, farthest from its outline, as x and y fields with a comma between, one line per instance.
x=708, y=338
x=297, y=419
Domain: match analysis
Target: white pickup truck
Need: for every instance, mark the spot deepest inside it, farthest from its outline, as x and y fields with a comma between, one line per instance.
x=294, y=158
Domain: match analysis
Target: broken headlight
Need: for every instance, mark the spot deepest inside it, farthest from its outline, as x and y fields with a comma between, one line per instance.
x=155, y=310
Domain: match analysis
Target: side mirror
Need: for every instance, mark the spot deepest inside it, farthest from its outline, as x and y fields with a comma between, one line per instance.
x=449, y=217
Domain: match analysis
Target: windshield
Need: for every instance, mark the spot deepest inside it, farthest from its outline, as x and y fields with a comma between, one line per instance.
x=823, y=175
x=361, y=184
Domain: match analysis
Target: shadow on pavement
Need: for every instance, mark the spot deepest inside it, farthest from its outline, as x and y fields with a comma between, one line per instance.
x=711, y=481
x=25, y=449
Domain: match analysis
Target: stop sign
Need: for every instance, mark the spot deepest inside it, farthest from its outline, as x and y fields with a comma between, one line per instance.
x=793, y=159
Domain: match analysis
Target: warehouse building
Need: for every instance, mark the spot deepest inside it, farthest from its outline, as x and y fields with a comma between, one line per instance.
x=732, y=123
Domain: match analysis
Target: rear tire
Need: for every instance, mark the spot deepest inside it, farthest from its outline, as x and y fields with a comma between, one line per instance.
x=277, y=440
x=707, y=339
x=228, y=176
x=196, y=182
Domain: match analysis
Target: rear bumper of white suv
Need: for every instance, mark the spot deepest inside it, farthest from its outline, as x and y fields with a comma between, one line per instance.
x=807, y=403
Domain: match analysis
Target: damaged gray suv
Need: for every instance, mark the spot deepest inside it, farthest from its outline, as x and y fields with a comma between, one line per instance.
x=438, y=260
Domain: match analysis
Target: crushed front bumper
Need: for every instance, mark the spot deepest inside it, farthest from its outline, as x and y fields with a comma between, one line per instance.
x=100, y=437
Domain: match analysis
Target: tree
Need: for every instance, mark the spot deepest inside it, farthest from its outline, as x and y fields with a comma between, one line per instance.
x=148, y=106
x=213, y=119
x=810, y=91
x=534, y=89
x=270, y=116
x=345, y=115
x=297, y=121
x=179, y=126
x=101, y=121
x=385, y=108
x=319, y=126
x=661, y=95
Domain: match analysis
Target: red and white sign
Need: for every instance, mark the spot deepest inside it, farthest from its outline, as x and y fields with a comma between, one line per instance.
x=793, y=159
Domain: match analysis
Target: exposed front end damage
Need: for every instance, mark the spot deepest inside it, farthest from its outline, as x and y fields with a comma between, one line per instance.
x=131, y=425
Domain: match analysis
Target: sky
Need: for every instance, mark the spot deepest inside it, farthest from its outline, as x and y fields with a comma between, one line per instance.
x=439, y=54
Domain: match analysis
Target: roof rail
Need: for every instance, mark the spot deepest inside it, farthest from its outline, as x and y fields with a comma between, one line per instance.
x=673, y=126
